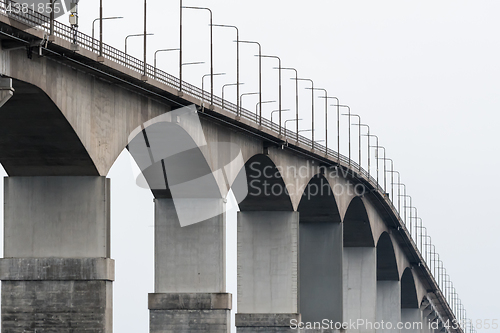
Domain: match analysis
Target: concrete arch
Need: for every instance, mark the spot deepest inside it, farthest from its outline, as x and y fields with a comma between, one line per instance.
x=409, y=297
x=320, y=253
x=357, y=228
x=387, y=266
x=266, y=188
x=37, y=140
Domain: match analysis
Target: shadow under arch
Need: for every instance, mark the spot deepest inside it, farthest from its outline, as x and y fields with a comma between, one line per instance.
x=409, y=297
x=320, y=253
x=357, y=229
x=266, y=189
x=36, y=139
x=387, y=267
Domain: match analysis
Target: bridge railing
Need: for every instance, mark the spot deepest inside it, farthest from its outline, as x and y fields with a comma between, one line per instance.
x=40, y=21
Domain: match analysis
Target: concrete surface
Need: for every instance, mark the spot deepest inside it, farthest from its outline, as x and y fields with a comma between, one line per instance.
x=268, y=262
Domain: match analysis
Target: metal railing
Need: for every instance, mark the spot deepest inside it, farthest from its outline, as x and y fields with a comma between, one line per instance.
x=424, y=250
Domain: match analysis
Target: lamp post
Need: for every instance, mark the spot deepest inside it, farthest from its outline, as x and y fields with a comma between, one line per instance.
x=203, y=90
x=99, y=19
x=404, y=203
x=385, y=183
x=376, y=151
x=349, y=113
x=312, y=107
x=297, y=133
x=359, y=135
x=404, y=206
x=180, y=47
x=237, y=61
x=296, y=98
x=237, y=87
x=279, y=79
x=368, y=127
x=136, y=35
x=392, y=178
x=260, y=65
x=246, y=94
x=211, y=54
x=144, y=76
x=284, y=110
x=258, y=111
x=326, y=116
x=338, y=124
x=163, y=50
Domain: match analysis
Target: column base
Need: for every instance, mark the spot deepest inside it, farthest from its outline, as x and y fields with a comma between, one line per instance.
x=57, y=294
x=267, y=322
x=190, y=312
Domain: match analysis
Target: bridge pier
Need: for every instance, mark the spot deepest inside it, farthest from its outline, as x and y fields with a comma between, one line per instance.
x=360, y=286
x=267, y=271
x=388, y=305
x=413, y=317
x=56, y=272
x=189, y=274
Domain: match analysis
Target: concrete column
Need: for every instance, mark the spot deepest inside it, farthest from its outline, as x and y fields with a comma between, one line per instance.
x=388, y=306
x=321, y=271
x=412, y=320
x=360, y=287
x=189, y=274
x=267, y=271
x=56, y=273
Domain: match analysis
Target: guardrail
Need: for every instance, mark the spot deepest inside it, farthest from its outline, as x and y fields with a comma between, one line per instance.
x=40, y=21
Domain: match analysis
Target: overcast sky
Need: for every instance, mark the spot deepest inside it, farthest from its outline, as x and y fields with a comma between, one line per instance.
x=424, y=75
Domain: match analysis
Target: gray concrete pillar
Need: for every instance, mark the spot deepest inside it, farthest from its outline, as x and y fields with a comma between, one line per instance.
x=189, y=274
x=56, y=272
x=388, y=306
x=360, y=288
x=267, y=271
x=411, y=318
x=321, y=271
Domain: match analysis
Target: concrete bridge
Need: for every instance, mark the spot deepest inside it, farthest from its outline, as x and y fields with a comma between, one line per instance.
x=318, y=238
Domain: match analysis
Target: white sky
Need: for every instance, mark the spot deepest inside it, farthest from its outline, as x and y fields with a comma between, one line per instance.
x=424, y=75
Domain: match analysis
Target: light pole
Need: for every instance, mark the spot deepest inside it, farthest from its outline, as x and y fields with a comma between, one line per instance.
x=368, y=127
x=279, y=79
x=284, y=110
x=237, y=87
x=404, y=202
x=260, y=65
x=326, y=116
x=404, y=206
x=258, y=111
x=246, y=94
x=338, y=130
x=297, y=133
x=392, y=177
x=296, y=99
x=163, y=50
x=136, y=35
x=338, y=124
x=312, y=107
x=98, y=19
x=237, y=61
x=144, y=76
x=359, y=135
x=203, y=90
x=376, y=151
x=211, y=55
x=180, y=47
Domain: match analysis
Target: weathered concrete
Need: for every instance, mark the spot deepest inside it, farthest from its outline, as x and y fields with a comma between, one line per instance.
x=57, y=275
x=189, y=274
x=188, y=259
x=388, y=305
x=65, y=217
x=360, y=285
x=321, y=271
x=196, y=312
x=411, y=318
x=268, y=322
x=268, y=262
